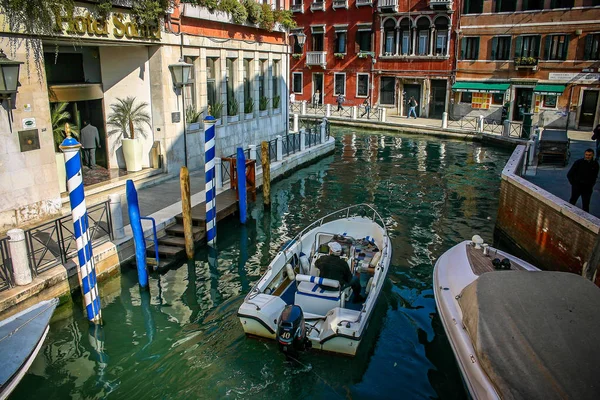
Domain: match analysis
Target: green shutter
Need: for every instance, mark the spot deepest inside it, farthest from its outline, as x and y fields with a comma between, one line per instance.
x=536, y=42
x=463, y=46
x=476, y=49
x=547, y=43
x=498, y=5
x=518, y=45
x=587, y=54
x=494, y=42
x=566, y=47
x=467, y=7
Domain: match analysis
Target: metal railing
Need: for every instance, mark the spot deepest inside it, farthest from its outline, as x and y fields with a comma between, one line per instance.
x=291, y=143
x=344, y=112
x=6, y=281
x=387, y=4
x=464, y=123
x=492, y=126
x=297, y=7
x=317, y=110
x=316, y=58
x=295, y=107
x=364, y=2
x=317, y=5
x=340, y=4
x=516, y=128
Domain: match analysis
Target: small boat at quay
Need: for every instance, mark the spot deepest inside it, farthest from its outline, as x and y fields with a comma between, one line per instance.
x=292, y=304
x=21, y=338
x=518, y=332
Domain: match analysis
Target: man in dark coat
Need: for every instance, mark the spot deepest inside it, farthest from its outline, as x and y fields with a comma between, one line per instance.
x=582, y=177
x=89, y=140
x=333, y=267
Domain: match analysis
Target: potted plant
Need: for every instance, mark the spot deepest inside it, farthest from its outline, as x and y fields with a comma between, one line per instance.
x=339, y=55
x=216, y=110
x=276, y=102
x=297, y=56
x=192, y=118
x=59, y=116
x=263, y=103
x=249, y=108
x=128, y=119
x=232, y=109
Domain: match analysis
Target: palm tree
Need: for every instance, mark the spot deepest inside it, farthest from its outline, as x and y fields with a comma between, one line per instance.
x=128, y=118
x=58, y=117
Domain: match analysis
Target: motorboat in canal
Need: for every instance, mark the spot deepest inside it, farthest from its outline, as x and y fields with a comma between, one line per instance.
x=292, y=304
x=21, y=338
x=518, y=332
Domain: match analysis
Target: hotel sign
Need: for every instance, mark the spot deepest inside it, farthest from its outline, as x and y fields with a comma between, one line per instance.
x=574, y=77
x=117, y=26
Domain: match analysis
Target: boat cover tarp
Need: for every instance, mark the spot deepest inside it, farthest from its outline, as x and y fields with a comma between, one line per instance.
x=536, y=334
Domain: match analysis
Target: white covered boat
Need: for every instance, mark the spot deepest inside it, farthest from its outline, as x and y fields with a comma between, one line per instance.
x=289, y=302
x=518, y=332
x=21, y=338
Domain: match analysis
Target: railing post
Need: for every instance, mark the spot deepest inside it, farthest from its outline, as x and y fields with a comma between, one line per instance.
x=506, y=128
x=218, y=173
x=116, y=215
x=252, y=151
x=302, y=140
x=323, y=130
x=383, y=114
x=354, y=112
x=18, y=254
x=279, y=148
x=480, y=124
x=444, y=120
x=303, y=107
x=328, y=110
x=296, y=122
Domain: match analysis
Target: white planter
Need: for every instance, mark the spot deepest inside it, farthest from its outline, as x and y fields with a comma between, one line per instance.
x=62, y=172
x=248, y=116
x=233, y=118
x=218, y=123
x=133, y=154
x=194, y=126
x=264, y=113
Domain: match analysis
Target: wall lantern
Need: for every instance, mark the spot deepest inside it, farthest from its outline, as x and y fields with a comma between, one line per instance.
x=301, y=38
x=9, y=80
x=180, y=72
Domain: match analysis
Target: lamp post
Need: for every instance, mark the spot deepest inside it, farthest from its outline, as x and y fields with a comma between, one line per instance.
x=301, y=38
x=180, y=72
x=9, y=80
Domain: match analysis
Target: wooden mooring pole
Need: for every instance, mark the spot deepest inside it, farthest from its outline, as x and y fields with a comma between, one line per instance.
x=266, y=175
x=186, y=209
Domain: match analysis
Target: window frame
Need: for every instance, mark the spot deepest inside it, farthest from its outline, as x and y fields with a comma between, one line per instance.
x=358, y=75
x=495, y=44
x=369, y=35
x=469, y=95
x=520, y=43
x=499, y=3
x=501, y=103
x=550, y=107
x=589, y=53
x=549, y=47
x=465, y=48
x=335, y=76
x=212, y=80
x=472, y=3
x=301, y=82
x=336, y=42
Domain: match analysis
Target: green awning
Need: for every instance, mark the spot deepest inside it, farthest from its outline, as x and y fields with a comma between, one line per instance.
x=480, y=87
x=549, y=89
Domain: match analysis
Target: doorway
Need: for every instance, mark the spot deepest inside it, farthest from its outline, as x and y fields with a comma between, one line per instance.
x=317, y=85
x=437, y=103
x=589, y=104
x=386, y=91
x=522, y=103
x=412, y=91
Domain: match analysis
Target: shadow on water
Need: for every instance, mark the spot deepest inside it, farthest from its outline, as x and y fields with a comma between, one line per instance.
x=182, y=338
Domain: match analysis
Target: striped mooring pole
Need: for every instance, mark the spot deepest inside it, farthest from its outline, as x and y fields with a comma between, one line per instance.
x=210, y=181
x=87, y=271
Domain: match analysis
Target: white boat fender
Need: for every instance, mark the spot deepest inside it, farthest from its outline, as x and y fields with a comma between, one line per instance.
x=375, y=259
x=304, y=264
x=290, y=272
x=369, y=284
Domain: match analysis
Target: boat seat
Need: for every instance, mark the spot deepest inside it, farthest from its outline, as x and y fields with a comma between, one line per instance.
x=313, y=298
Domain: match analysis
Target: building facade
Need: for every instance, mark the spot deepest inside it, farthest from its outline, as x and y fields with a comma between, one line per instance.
x=386, y=51
x=538, y=57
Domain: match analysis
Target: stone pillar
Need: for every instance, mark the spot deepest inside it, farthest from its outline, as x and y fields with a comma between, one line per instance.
x=323, y=130
x=252, y=148
x=328, y=110
x=218, y=173
x=354, y=112
x=444, y=120
x=18, y=255
x=480, y=124
x=383, y=114
x=506, y=128
x=303, y=108
x=296, y=122
x=302, y=140
x=116, y=215
x=279, y=148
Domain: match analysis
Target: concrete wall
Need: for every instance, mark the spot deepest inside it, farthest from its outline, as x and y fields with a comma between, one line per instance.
x=557, y=235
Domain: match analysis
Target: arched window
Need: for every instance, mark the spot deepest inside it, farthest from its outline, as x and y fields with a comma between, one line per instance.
x=423, y=36
x=405, y=41
x=389, y=30
x=441, y=36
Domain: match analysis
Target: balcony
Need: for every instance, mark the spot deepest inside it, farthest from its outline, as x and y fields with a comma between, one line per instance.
x=526, y=63
x=440, y=4
x=316, y=58
x=297, y=8
x=317, y=6
x=340, y=4
x=364, y=3
x=387, y=6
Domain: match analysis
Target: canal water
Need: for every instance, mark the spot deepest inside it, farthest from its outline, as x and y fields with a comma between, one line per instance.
x=182, y=339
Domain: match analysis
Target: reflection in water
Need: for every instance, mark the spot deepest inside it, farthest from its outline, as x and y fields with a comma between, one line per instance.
x=182, y=338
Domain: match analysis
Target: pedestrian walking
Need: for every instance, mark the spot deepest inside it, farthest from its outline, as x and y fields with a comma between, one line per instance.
x=582, y=177
x=316, y=98
x=412, y=107
x=367, y=105
x=596, y=137
x=340, y=100
x=90, y=140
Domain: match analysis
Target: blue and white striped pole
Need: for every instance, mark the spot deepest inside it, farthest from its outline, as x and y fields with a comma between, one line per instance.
x=87, y=271
x=210, y=181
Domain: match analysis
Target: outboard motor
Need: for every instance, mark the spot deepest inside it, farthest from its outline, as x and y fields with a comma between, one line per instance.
x=291, y=331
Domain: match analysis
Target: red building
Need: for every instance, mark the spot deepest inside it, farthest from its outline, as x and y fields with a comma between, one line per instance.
x=388, y=51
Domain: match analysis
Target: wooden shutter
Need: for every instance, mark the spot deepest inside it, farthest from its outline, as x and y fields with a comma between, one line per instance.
x=463, y=47
x=518, y=46
x=476, y=49
x=536, y=41
x=547, y=44
x=587, y=54
x=494, y=44
x=566, y=47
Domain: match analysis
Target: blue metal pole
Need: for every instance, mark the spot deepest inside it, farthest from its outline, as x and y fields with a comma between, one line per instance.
x=87, y=271
x=241, y=174
x=210, y=187
x=138, y=233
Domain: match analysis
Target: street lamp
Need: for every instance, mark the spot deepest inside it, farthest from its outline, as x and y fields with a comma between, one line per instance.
x=301, y=38
x=180, y=72
x=9, y=80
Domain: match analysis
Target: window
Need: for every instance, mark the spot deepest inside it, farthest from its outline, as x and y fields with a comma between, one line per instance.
x=469, y=48
x=506, y=5
x=498, y=99
x=211, y=81
x=527, y=46
x=441, y=37
x=363, y=40
x=317, y=42
x=501, y=48
x=423, y=36
x=261, y=79
x=189, y=91
x=247, y=81
x=389, y=29
x=556, y=47
x=231, y=100
x=340, y=84
x=592, y=47
x=275, y=78
x=549, y=101
x=362, y=85
x=297, y=82
x=340, y=42
x=473, y=6
x=533, y=5
x=466, y=97
x=562, y=3
x=405, y=42
x=297, y=47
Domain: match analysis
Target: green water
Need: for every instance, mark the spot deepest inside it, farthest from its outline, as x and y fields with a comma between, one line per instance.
x=182, y=339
